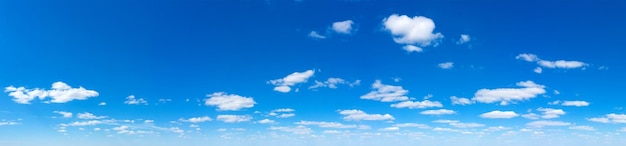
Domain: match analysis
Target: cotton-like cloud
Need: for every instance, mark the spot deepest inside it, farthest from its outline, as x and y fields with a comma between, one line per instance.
x=610, y=118
x=358, y=115
x=460, y=101
x=326, y=124
x=507, y=95
x=499, y=114
x=547, y=123
x=412, y=30
x=233, y=118
x=417, y=104
x=386, y=93
x=446, y=65
x=87, y=115
x=563, y=64
x=134, y=100
x=64, y=114
x=60, y=93
x=197, y=119
x=463, y=39
x=229, y=102
x=438, y=112
x=343, y=27
x=284, y=84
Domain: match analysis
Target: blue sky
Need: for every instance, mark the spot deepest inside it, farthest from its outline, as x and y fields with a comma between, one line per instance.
x=282, y=72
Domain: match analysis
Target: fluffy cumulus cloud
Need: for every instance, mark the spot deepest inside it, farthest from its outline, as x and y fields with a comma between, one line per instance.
x=446, y=65
x=547, y=123
x=358, y=115
x=464, y=39
x=499, y=114
x=528, y=90
x=412, y=30
x=333, y=82
x=284, y=84
x=460, y=100
x=229, y=102
x=386, y=93
x=610, y=118
x=563, y=64
x=60, y=93
x=233, y=118
x=343, y=27
x=134, y=100
x=197, y=119
x=326, y=124
x=550, y=113
x=64, y=114
x=417, y=104
x=438, y=112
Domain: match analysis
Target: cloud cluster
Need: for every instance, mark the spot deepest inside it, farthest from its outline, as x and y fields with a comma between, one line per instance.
x=610, y=118
x=134, y=100
x=386, y=93
x=284, y=84
x=229, y=102
x=416, y=30
x=333, y=82
x=197, y=119
x=563, y=64
x=234, y=118
x=283, y=113
x=507, y=95
x=60, y=93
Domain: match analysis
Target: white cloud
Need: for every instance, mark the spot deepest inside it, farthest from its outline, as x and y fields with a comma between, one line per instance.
x=585, y=128
x=460, y=100
x=438, y=112
x=499, y=114
x=459, y=124
x=333, y=82
x=87, y=115
x=197, y=119
x=229, y=102
x=386, y=93
x=302, y=130
x=60, y=93
x=284, y=110
x=287, y=115
x=314, y=34
x=538, y=70
x=422, y=126
x=527, y=57
x=90, y=123
x=446, y=65
x=506, y=95
x=64, y=114
x=5, y=123
x=133, y=100
x=610, y=118
x=357, y=115
x=575, y=103
x=623, y=129
x=343, y=27
x=390, y=129
x=463, y=39
x=284, y=84
x=494, y=129
x=326, y=124
x=531, y=116
x=416, y=30
x=266, y=121
x=547, y=123
x=412, y=48
x=102, y=103
x=148, y=121
x=417, y=104
x=564, y=64
x=550, y=113
x=233, y=118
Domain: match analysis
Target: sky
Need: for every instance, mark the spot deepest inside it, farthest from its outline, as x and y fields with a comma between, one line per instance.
x=312, y=72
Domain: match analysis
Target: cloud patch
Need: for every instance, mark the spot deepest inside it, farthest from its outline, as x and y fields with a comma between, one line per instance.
x=60, y=93
x=229, y=102
x=417, y=30
x=284, y=84
x=358, y=115
x=499, y=115
x=505, y=96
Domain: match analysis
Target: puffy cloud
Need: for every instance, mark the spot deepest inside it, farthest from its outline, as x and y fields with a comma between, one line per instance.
x=610, y=118
x=314, y=34
x=197, y=119
x=266, y=121
x=459, y=124
x=357, y=115
x=460, y=100
x=446, y=65
x=422, y=126
x=585, y=128
x=463, y=39
x=564, y=64
x=284, y=84
x=499, y=114
x=575, y=103
x=326, y=124
x=302, y=130
x=133, y=100
x=333, y=82
x=229, y=102
x=417, y=104
x=64, y=114
x=412, y=48
x=233, y=118
x=386, y=93
x=547, y=123
x=343, y=27
x=87, y=115
x=438, y=112
x=506, y=95
x=550, y=113
x=60, y=93
x=415, y=30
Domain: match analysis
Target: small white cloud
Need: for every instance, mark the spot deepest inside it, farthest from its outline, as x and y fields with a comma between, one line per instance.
x=538, y=70
x=417, y=104
x=531, y=116
x=499, y=114
x=229, y=102
x=386, y=93
x=547, y=123
x=343, y=27
x=438, y=112
x=287, y=115
x=284, y=84
x=133, y=100
x=421, y=126
x=197, y=119
x=460, y=101
x=584, y=128
x=446, y=65
x=148, y=121
x=64, y=114
x=550, y=113
x=266, y=121
x=507, y=95
x=284, y=110
x=575, y=103
x=527, y=57
x=610, y=118
x=463, y=39
x=563, y=64
x=60, y=93
x=102, y=103
x=390, y=129
x=459, y=124
x=412, y=48
x=333, y=82
x=326, y=124
x=87, y=115
x=233, y=118
x=357, y=115
x=314, y=34
x=301, y=130
x=8, y=123
x=415, y=30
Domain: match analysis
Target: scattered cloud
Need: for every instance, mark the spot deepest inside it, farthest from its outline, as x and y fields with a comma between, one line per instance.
x=459, y=124
x=575, y=103
x=412, y=48
x=421, y=126
x=234, y=118
x=314, y=34
x=538, y=70
x=229, y=102
x=417, y=104
x=547, y=123
x=282, y=113
x=550, y=113
x=584, y=128
x=390, y=129
x=412, y=30
x=60, y=93
x=463, y=39
x=326, y=124
x=102, y=103
x=499, y=114
x=563, y=64
x=197, y=119
x=531, y=116
x=301, y=130
x=64, y=114
x=343, y=27
x=446, y=65
x=284, y=84
x=333, y=82
x=133, y=100
x=87, y=115
x=438, y=112
x=460, y=100
x=8, y=123
x=358, y=115
x=266, y=121
x=610, y=118
x=507, y=95
x=386, y=93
